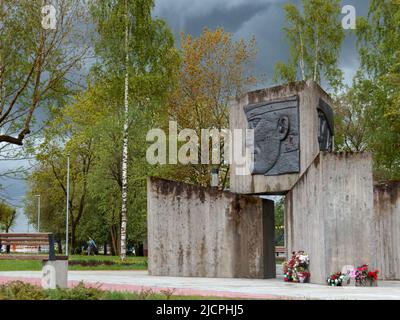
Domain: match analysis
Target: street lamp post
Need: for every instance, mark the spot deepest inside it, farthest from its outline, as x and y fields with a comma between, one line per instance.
x=214, y=178
x=38, y=210
x=67, y=214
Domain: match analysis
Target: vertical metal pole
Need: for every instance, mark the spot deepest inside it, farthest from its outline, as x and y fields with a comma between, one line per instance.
x=38, y=219
x=67, y=215
x=52, y=253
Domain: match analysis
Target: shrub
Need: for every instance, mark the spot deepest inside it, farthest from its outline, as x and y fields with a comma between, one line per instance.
x=79, y=292
x=18, y=290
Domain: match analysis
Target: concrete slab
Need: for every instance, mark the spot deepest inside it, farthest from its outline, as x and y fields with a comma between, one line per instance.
x=218, y=287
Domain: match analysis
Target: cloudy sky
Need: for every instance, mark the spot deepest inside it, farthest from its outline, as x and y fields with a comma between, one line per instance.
x=244, y=18
x=262, y=18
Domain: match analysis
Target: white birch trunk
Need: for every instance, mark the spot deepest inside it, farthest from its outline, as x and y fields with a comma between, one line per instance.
x=316, y=58
x=125, y=150
x=303, y=76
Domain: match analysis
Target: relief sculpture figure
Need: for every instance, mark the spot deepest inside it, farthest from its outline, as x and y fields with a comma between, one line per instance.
x=276, y=136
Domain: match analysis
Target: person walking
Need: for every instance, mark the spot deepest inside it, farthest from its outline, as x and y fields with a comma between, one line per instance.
x=91, y=247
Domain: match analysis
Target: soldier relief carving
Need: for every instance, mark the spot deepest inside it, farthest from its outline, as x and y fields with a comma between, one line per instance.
x=276, y=136
x=325, y=137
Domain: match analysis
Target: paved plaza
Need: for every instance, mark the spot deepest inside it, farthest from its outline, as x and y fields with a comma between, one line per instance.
x=229, y=288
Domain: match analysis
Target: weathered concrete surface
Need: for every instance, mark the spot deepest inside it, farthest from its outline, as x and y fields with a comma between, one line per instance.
x=309, y=94
x=55, y=274
x=387, y=229
x=200, y=232
x=329, y=213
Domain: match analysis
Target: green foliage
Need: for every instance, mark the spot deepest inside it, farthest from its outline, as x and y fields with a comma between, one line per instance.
x=52, y=212
x=378, y=82
x=83, y=262
x=34, y=63
x=79, y=292
x=18, y=290
x=314, y=35
x=279, y=221
x=151, y=52
x=215, y=68
x=90, y=129
x=20, y=265
x=351, y=110
x=7, y=217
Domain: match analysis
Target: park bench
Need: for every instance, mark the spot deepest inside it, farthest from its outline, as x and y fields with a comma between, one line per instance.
x=279, y=250
x=29, y=239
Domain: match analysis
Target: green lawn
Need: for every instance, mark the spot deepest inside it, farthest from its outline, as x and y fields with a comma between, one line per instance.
x=80, y=262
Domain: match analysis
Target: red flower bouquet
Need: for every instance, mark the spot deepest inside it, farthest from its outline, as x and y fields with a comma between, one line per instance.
x=296, y=269
x=364, y=276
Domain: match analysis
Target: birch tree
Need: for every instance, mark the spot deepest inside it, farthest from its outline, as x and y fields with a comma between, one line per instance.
x=315, y=35
x=132, y=46
x=125, y=143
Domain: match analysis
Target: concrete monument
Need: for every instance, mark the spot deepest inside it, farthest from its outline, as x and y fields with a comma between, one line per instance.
x=332, y=210
x=292, y=123
x=326, y=129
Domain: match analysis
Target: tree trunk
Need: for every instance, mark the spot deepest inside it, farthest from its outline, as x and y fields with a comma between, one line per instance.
x=105, y=248
x=112, y=248
x=114, y=240
x=125, y=149
x=59, y=244
x=316, y=59
x=73, y=229
x=303, y=75
x=8, y=247
x=140, y=251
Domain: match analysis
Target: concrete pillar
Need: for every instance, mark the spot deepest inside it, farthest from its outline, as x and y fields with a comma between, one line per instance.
x=201, y=232
x=329, y=213
x=387, y=229
x=55, y=274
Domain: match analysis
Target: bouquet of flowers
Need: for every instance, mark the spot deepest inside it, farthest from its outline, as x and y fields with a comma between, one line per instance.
x=336, y=279
x=363, y=275
x=296, y=269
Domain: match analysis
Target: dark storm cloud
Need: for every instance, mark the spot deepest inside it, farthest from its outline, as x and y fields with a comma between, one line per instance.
x=232, y=19
x=262, y=18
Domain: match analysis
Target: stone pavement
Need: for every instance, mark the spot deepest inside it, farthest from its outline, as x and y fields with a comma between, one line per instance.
x=229, y=288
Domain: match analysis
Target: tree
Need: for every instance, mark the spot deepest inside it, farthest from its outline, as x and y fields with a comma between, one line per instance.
x=379, y=78
x=139, y=49
x=315, y=36
x=351, y=119
x=52, y=207
x=34, y=62
x=7, y=217
x=280, y=222
x=214, y=69
x=70, y=132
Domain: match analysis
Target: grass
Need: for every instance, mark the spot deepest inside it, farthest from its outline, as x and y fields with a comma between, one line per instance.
x=80, y=262
x=279, y=260
x=18, y=290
